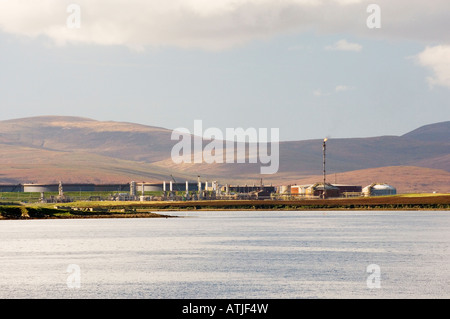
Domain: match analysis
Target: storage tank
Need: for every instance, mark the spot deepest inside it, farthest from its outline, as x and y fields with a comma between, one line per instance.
x=285, y=189
x=152, y=187
x=379, y=189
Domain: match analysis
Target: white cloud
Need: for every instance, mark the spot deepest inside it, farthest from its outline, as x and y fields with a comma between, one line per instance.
x=437, y=59
x=219, y=24
x=337, y=89
x=205, y=24
x=344, y=45
x=343, y=88
x=318, y=93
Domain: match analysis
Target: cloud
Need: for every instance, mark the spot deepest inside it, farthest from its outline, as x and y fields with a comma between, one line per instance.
x=337, y=89
x=437, y=59
x=343, y=45
x=318, y=93
x=218, y=24
x=343, y=88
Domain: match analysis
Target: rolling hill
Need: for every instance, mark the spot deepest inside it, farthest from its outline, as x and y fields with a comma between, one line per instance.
x=51, y=148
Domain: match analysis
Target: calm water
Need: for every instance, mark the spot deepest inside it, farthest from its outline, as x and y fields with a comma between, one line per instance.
x=230, y=255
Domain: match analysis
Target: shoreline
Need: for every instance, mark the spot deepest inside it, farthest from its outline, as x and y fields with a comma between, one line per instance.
x=156, y=209
x=82, y=216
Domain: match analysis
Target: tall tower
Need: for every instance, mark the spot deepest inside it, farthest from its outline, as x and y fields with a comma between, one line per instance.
x=61, y=197
x=133, y=189
x=200, y=193
x=324, y=170
x=60, y=190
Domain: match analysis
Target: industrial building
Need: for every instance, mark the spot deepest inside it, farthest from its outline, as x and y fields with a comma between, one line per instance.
x=190, y=190
x=11, y=188
x=143, y=191
x=247, y=188
x=315, y=190
x=327, y=190
x=348, y=190
x=86, y=187
x=167, y=186
x=336, y=190
x=318, y=190
x=197, y=190
x=46, y=188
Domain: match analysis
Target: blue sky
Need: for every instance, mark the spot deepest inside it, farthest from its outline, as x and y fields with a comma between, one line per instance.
x=323, y=78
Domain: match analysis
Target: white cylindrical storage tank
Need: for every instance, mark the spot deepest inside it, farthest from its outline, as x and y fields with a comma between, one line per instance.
x=379, y=189
x=40, y=188
x=383, y=189
x=285, y=189
x=153, y=187
x=366, y=191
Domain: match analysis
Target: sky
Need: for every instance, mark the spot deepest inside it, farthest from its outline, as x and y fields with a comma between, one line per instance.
x=312, y=68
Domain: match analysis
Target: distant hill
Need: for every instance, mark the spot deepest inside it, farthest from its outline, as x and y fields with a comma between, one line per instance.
x=52, y=148
x=73, y=134
x=439, y=132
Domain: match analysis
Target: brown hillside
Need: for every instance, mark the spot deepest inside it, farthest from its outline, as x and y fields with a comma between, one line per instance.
x=48, y=149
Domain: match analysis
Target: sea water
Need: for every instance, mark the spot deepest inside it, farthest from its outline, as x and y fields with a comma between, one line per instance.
x=232, y=254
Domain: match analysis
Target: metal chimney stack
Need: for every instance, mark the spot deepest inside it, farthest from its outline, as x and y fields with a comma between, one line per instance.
x=324, y=170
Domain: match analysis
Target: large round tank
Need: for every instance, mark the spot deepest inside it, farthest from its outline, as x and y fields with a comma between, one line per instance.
x=40, y=188
x=379, y=189
x=284, y=189
x=154, y=188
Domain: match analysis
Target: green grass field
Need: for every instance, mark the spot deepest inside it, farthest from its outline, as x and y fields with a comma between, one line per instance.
x=74, y=196
x=422, y=194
